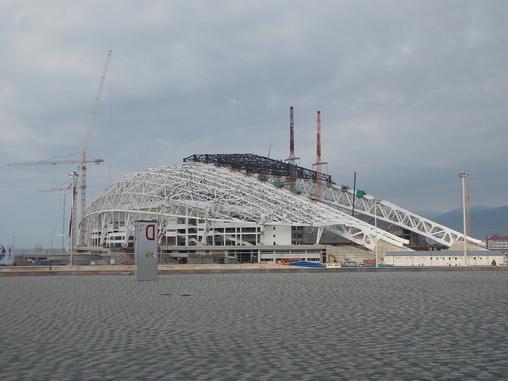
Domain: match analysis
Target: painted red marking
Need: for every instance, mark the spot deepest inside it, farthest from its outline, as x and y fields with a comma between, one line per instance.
x=150, y=232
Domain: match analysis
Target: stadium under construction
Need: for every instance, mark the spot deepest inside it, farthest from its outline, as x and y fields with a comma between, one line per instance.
x=249, y=208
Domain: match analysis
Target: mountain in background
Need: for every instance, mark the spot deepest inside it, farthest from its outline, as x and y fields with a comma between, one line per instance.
x=485, y=220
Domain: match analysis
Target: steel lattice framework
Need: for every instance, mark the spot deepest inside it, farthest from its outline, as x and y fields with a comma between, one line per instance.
x=338, y=197
x=213, y=193
x=251, y=163
x=342, y=197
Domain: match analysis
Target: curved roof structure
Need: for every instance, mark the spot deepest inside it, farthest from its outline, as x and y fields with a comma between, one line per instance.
x=213, y=193
x=340, y=197
x=368, y=205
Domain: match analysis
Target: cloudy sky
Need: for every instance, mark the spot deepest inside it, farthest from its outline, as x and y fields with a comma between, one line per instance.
x=410, y=92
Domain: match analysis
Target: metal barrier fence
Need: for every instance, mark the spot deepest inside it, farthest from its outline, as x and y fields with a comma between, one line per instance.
x=81, y=259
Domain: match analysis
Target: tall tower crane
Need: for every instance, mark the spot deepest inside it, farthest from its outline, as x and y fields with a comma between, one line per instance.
x=54, y=162
x=84, y=160
x=66, y=161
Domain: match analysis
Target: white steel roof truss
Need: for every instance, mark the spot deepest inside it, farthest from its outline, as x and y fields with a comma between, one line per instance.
x=387, y=211
x=212, y=193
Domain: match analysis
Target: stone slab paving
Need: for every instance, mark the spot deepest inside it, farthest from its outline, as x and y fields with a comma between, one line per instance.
x=262, y=326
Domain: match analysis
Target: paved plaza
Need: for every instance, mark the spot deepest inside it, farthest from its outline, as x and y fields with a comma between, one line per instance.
x=256, y=326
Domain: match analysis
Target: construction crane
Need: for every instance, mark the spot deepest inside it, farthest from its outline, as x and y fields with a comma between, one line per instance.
x=54, y=162
x=84, y=160
x=101, y=84
x=65, y=161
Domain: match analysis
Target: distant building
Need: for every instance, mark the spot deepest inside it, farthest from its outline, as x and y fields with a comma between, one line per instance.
x=495, y=242
x=444, y=258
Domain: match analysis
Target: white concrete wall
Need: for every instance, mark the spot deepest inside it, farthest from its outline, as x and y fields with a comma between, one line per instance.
x=497, y=245
x=277, y=235
x=277, y=256
x=443, y=260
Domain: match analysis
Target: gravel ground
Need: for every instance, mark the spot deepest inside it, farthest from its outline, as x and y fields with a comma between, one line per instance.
x=263, y=326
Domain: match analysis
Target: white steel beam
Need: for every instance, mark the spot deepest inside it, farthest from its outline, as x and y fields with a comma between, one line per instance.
x=342, y=198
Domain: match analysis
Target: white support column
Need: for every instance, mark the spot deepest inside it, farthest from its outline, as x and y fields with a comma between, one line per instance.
x=319, y=234
x=186, y=227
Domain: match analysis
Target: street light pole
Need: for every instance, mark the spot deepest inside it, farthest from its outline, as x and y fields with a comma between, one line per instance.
x=376, y=203
x=63, y=224
x=73, y=224
x=462, y=176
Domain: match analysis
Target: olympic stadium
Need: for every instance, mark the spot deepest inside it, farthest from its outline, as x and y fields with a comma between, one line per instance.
x=252, y=208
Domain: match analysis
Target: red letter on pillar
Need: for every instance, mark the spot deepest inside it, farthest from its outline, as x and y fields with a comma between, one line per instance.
x=150, y=232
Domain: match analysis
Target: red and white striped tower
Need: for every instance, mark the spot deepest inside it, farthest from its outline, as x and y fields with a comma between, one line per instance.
x=292, y=157
x=318, y=165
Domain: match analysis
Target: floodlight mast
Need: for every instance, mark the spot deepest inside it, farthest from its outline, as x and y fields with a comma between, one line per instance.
x=73, y=220
x=462, y=176
x=376, y=205
x=60, y=189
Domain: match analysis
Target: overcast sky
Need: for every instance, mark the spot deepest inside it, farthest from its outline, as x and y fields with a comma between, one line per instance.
x=410, y=92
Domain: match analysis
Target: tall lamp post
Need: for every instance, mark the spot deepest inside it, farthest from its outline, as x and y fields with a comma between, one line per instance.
x=376, y=204
x=462, y=176
x=73, y=224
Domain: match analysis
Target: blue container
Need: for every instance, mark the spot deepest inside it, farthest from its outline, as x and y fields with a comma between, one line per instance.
x=308, y=264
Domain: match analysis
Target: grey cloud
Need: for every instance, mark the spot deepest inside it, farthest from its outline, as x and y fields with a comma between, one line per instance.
x=410, y=92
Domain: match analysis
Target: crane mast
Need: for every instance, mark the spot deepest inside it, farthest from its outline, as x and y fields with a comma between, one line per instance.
x=82, y=165
x=83, y=153
x=54, y=162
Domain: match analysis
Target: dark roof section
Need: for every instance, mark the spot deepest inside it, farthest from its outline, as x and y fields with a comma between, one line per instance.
x=251, y=163
x=495, y=237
